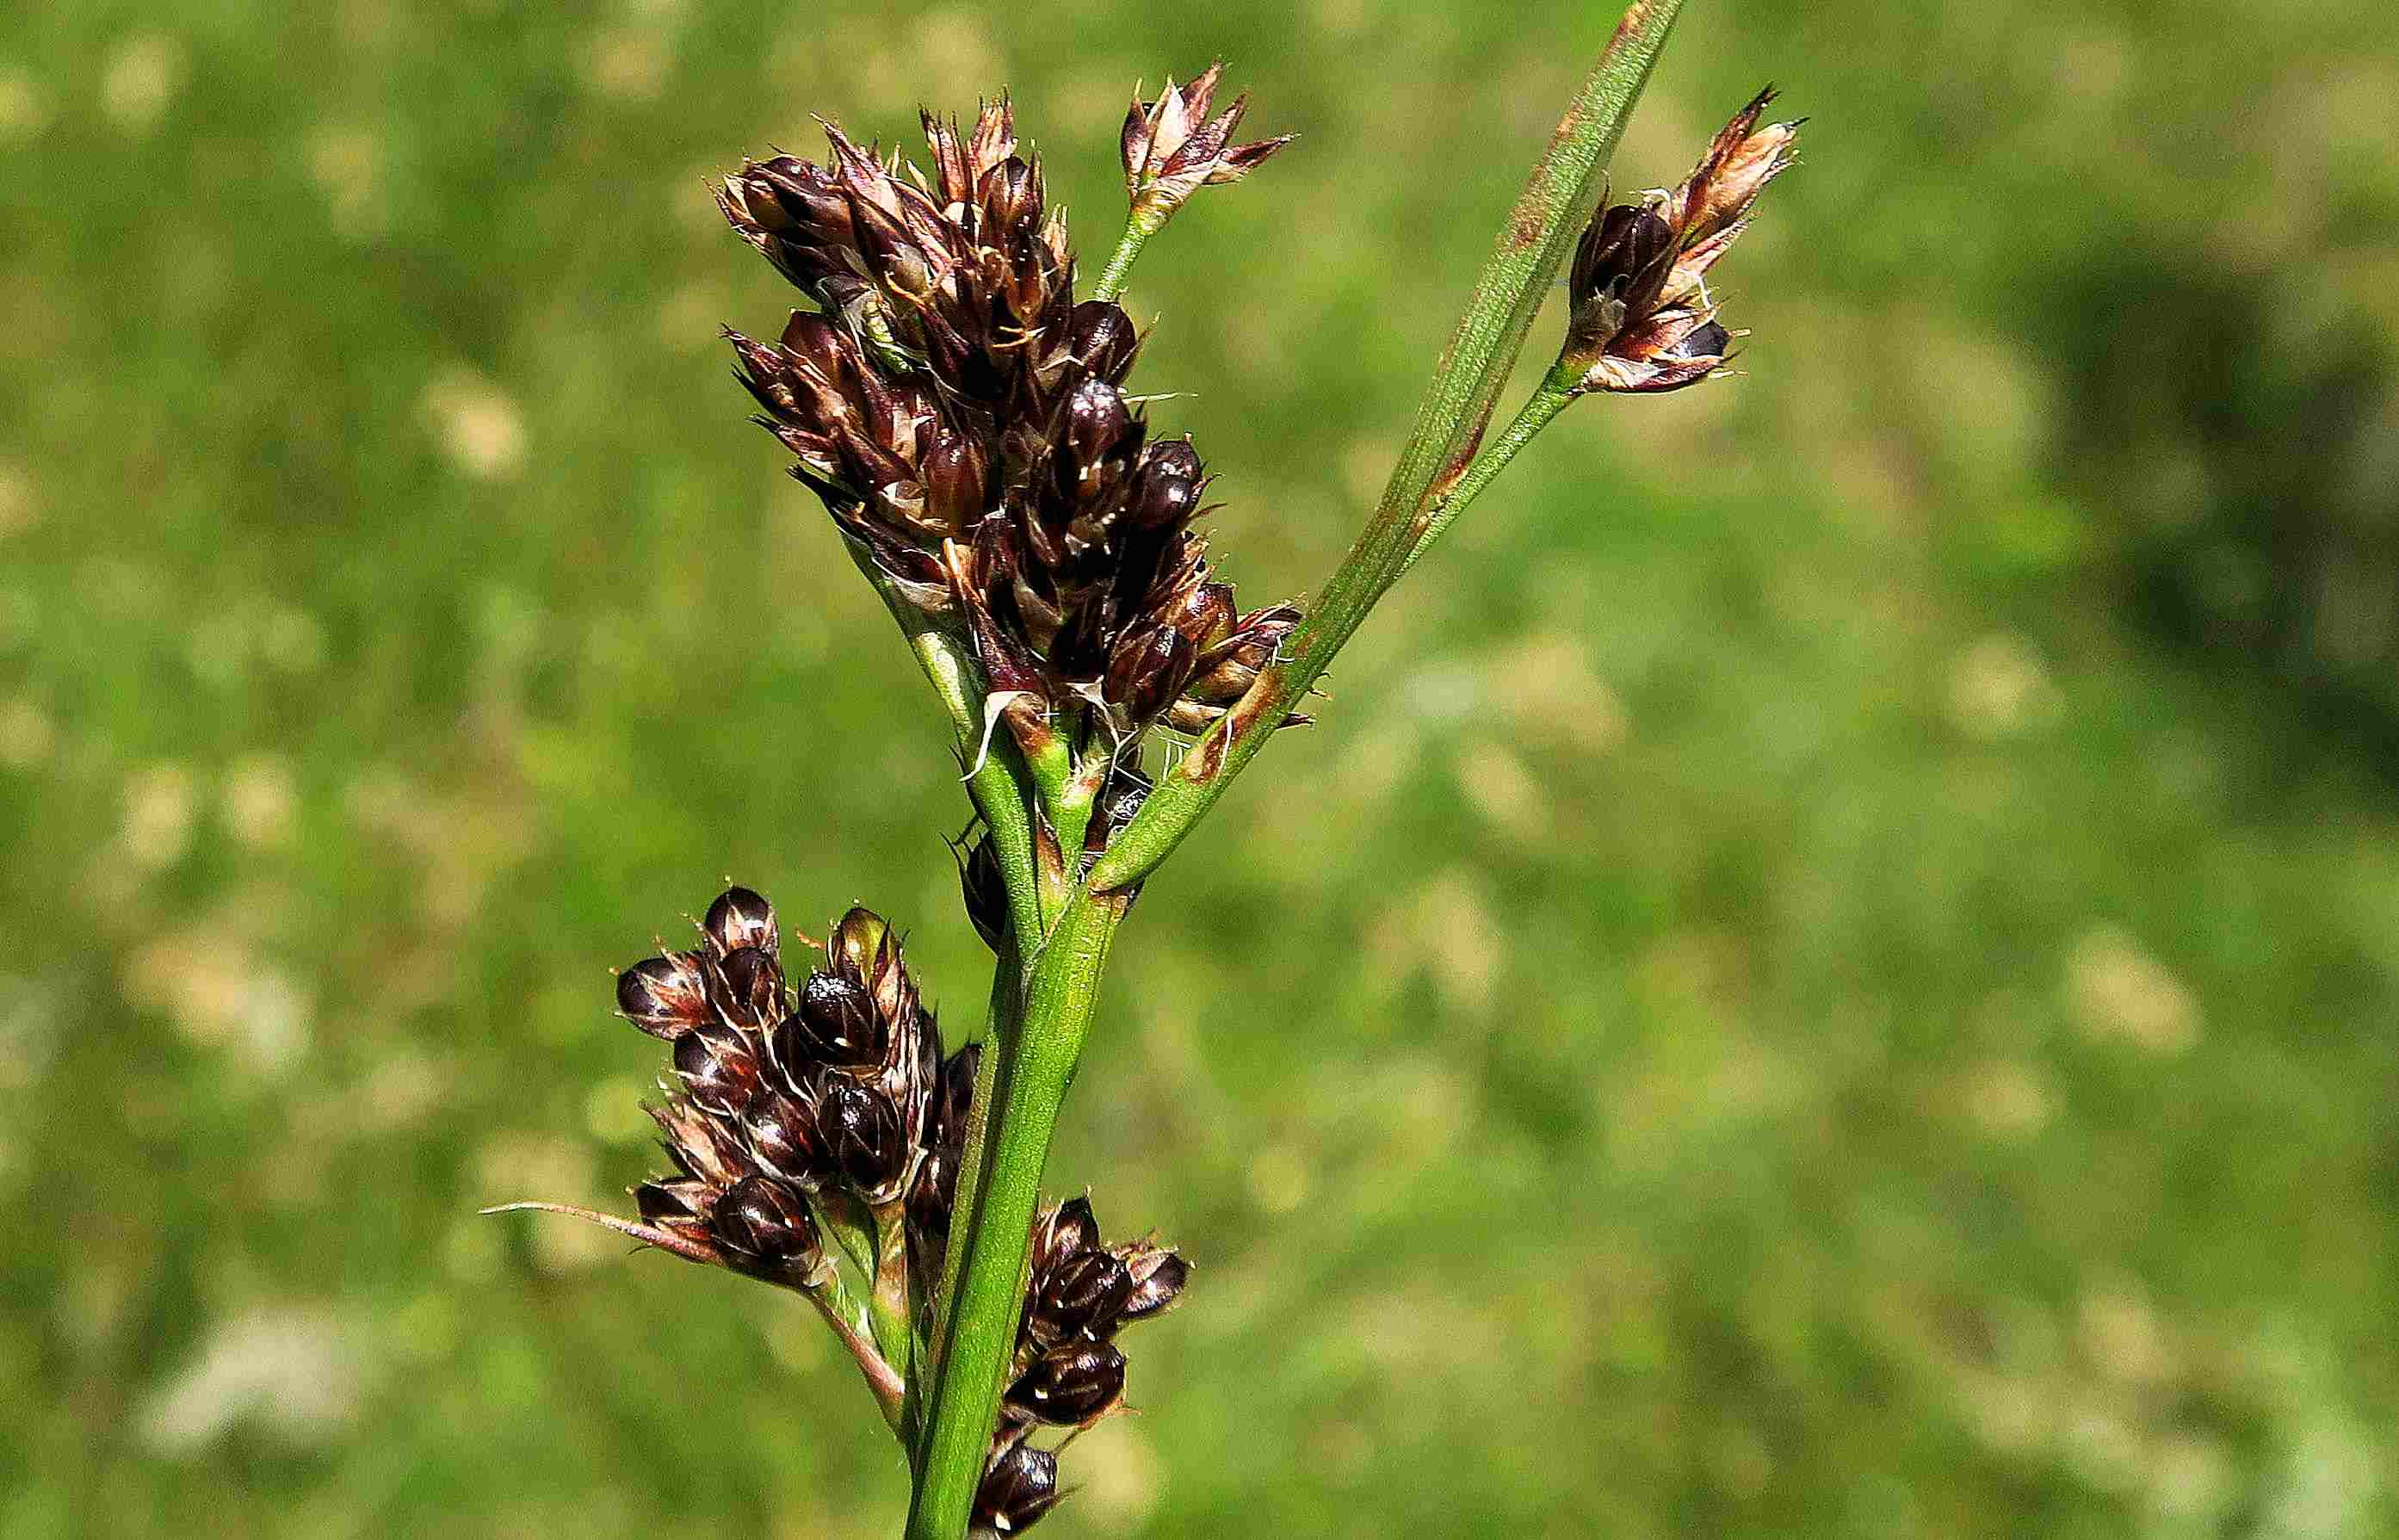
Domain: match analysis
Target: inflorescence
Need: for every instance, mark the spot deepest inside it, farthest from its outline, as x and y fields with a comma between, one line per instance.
x=963, y=417
x=815, y=1134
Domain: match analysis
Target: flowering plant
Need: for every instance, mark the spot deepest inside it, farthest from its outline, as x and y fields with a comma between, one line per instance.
x=963, y=416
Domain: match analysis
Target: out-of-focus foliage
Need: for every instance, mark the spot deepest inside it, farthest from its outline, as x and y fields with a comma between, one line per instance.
x=1830, y=968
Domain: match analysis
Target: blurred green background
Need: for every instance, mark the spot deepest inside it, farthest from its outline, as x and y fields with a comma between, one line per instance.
x=1831, y=967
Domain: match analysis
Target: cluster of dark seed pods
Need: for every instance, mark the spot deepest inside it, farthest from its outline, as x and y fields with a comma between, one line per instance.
x=964, y=420
x=1068, y=1370
x=1643, y=320
x=795, y=1115
x=783, y=1100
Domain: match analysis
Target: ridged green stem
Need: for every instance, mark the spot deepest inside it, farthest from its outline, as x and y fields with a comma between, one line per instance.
x=1438, y=474
x=1537, y=414
x=850, y=1323
x=1145, y=223
x=1061, y=992
x=1558, y=200
x=1007, y=985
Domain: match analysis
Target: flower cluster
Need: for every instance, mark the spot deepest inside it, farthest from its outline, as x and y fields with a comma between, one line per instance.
x=820, y=1124
x=963, y=417
x=1643, y=320
x=1173, y=148
x=783, y=1102
x=1068, y=1370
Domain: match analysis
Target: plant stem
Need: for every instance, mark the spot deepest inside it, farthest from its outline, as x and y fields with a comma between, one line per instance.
x=848, y=1321
x=1537, y=414
x=1137, y=231
x=1061, y=992
x=996, y=778
x=1006, y=983
x=1557, y=201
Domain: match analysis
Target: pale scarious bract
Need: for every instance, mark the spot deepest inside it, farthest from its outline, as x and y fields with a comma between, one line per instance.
x=1643, y=320
x=1172, y=148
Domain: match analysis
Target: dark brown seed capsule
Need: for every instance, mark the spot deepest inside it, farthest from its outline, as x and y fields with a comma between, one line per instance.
x=956, y=1103
x=1166, y=493
x=1159, y=1276
x=1065, y=1230
x=986, y=892
x=764, y=1228
x=836, y=1024
x=750, y=989
x=781, y=1131
x=933, y=1194
x=668, y=1200
x=664, y=996
x=865, y=1139
x=1079, y=1297
x=718, y=1068
x=1104, y=340
x=1070, y=1385
x=1020, y=1487
x=741, y=918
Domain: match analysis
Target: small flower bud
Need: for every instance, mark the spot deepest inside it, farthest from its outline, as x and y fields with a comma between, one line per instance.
x=764, y=1229
x=836, y=1024
x=1172, y=148
x=1642, y=319
x=1070, y=1385
x=857, y=945
x=718, y=1068
x=1020, y=1485
x=741, y=918
x=750, y=989
x=664, y=996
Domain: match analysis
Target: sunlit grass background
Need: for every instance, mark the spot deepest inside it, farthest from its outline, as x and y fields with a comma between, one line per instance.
x=1831, y=968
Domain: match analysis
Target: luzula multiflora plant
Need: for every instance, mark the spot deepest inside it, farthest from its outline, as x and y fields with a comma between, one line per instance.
x=963, y=416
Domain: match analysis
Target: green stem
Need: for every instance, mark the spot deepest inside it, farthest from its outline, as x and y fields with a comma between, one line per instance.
x=1557, y=201
x=848, y=1321
x=1061, y=992
x=1533, y=415
x=887, y=1302
x=1005, y=985
x=1144, y=224
x=997, y=778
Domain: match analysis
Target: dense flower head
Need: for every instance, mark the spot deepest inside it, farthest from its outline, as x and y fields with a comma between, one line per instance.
x=781, y=1100
x=1643, y=320
x=779, y=1094
x=1069, y=1371
x=963, y=419
x=795, y=1108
